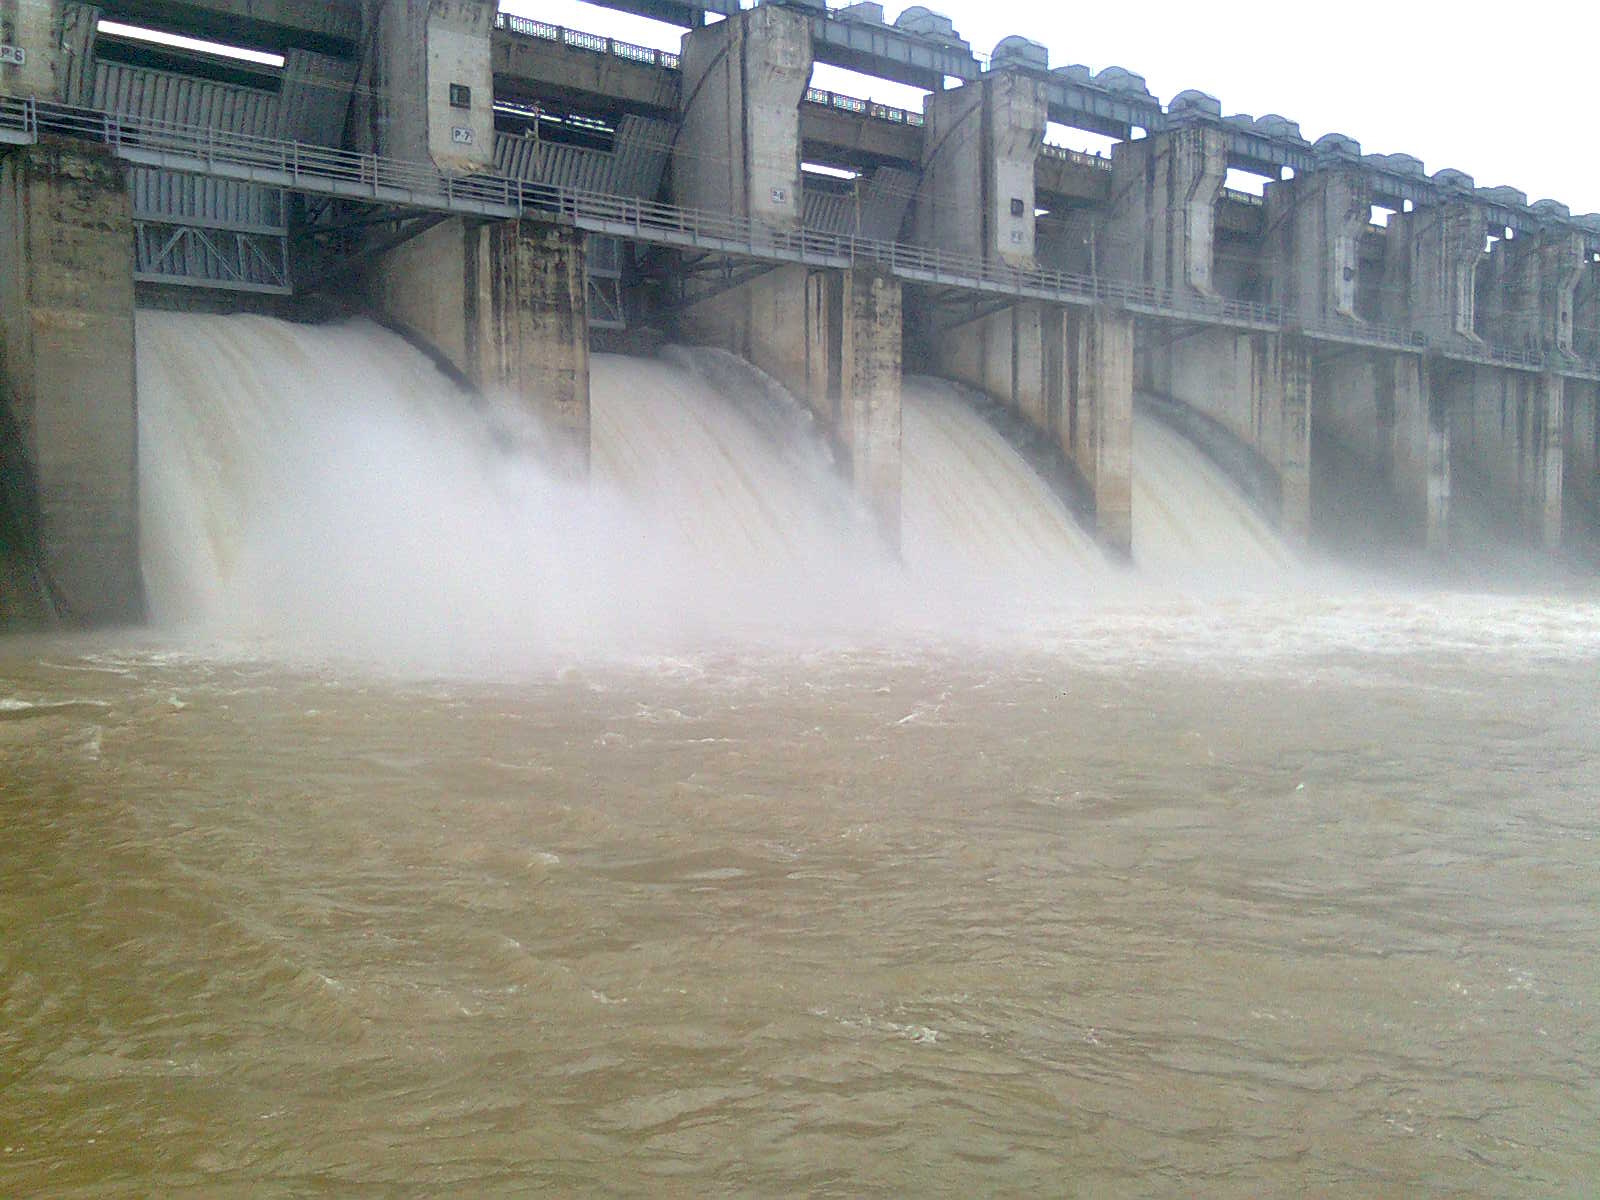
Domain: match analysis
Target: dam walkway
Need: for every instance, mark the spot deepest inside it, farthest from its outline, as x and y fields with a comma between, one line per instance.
x=319, y=170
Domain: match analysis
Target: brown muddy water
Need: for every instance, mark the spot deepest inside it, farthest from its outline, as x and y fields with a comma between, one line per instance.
x=1235, y=898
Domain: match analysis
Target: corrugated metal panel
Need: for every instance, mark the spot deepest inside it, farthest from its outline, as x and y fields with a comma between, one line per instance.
x=876, y=209
x=827, y=211
x=183, y=100
x=190, y=229
x=643, y=146
x=632, y=168
x=199, y=200
x=315, y=98
x=885, y=197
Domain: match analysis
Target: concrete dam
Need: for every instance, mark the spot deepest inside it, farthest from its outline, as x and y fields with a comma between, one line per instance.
x=426, y=290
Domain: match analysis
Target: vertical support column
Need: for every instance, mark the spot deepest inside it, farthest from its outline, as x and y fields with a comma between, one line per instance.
x=979, y=148
x=869, y=400
x=1289, y=389
x=738, y=145
x=426, y=83
x=1162, y=226
x=1506, y=429
x=503, y=302
x=67, y=369
x=1547, y=458
x=1436, y=252
x=1098, y=432
x=1419, y=447
x=1563, y=263
x=531, y=338
x=1580, y=473
x=1314, y=223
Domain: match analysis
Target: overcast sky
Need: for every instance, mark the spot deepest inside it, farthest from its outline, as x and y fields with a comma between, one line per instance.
x=1509, y=96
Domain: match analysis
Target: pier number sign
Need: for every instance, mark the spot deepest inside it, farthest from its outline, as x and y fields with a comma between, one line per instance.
x=461, y=135
x=14, y=55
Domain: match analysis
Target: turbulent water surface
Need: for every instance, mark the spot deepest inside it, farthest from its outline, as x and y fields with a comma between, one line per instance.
x=516, y=877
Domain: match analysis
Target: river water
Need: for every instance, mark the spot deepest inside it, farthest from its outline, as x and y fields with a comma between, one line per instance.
x=1128, y=888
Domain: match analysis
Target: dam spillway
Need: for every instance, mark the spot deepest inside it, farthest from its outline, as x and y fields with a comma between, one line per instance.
x=297, y=476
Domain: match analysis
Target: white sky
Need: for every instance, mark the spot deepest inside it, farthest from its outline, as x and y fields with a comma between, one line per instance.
x=1505, y=96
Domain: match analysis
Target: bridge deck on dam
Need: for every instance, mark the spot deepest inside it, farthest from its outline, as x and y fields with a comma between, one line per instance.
x=310, y=169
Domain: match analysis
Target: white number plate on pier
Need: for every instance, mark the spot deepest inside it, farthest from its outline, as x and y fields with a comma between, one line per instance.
x=15, y=55
x=461, y=134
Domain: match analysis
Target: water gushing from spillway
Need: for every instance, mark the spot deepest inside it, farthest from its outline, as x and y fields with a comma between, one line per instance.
x=1191, y=522
x=327, y=482
x=972, y=507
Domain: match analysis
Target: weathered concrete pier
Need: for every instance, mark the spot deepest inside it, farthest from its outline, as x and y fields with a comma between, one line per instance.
x=509, y=193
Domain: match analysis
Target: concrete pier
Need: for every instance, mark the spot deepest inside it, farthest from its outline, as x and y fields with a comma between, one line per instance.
x=1431, y=270
x=1314, y=224
x=738, y=144
x=1256, y=386
x=1526, y=290
x=1380, y=414
x=979, y=147
x=503, y=301
x=833, y=339
x=1069, y=373
x=67, y=369
x=426, y=84
x=1506, y=435
x=1580, y=478
x=1162, y=225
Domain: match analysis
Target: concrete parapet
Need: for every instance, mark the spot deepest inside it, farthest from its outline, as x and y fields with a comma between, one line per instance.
x=979, y=146
x=1431, y=269
x=833, y=339
x=1162, y=222
x=503, y=301
x=426, y=85
x=1257, y=386
x=738, y=145
x=67, y=368
x=1069, y=374
x=1314, y=224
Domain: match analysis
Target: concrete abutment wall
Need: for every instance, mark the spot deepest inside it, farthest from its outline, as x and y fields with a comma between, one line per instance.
x=67, y=367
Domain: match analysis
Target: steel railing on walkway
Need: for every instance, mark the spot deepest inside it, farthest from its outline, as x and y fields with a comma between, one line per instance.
x=322, y=170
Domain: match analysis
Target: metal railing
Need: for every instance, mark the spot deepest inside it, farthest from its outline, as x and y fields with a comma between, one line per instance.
x=598, y=43
x=1077, y=157
x=326, y=171
x=1238, y=197
x=862, y=107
